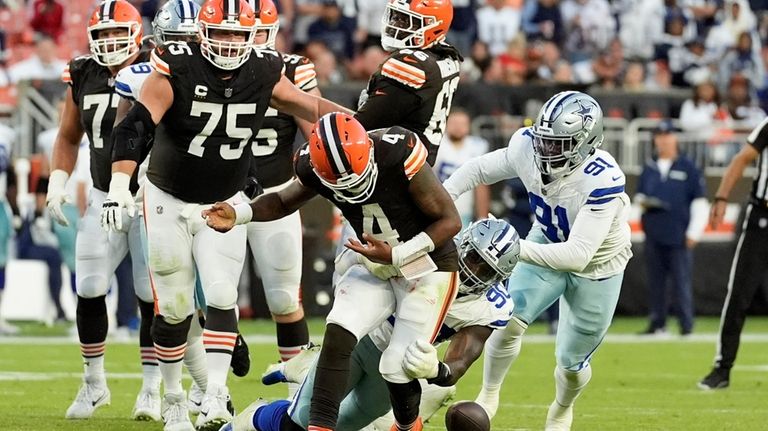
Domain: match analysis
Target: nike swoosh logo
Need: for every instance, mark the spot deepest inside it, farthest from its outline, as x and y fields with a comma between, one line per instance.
x=379, y=93
x=93, y=403
x=410, y=59
x=616, y=178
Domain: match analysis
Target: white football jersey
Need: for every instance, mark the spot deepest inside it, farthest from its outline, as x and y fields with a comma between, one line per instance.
x=128, y=83
x=492, y=309
x=449, y=158
x=597, y=181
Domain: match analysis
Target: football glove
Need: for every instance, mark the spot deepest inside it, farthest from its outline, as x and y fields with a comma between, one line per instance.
x=57, y=196
x=381, y=271
x=119, y=197
x=420, y=360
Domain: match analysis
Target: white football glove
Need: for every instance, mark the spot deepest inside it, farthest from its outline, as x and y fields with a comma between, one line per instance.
x=119, y=197
x=57, y=196
x=381, y=271
x=420, y=360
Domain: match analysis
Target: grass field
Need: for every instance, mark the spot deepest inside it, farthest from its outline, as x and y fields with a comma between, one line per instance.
x=638, y=383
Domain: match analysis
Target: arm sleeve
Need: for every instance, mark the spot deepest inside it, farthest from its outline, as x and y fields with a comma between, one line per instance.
x=587, y=235
x=487, y=169
x=698, y=222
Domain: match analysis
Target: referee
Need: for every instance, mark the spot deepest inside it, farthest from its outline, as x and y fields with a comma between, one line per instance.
x=750, y=261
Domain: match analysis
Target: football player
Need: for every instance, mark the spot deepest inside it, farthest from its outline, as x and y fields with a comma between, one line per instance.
x=488, y=252
x=176, y=20
x=114, y=34
x=414, y=87
x=202, y=104
x=276, y=245
x=398, y=207
x=576, y=251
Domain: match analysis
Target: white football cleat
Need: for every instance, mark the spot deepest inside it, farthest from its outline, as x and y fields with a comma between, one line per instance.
x=433, y=397
x=92, y=394
x=244, y=420
x=559, y=418
x=488, y=401
x=147, y=406
x=213, y=411
x=175, y=413
x=293, y=370
x=8, y=329
x=195, y=399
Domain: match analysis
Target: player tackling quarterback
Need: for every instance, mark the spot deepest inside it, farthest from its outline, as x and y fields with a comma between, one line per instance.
x=577, y=249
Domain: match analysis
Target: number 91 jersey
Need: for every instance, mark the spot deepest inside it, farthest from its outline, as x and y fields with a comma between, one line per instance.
x=390, y=213
x=595, y=183
x=199, y=154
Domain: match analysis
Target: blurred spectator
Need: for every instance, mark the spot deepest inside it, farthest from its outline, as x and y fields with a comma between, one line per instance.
x=738, y=19
x=659, y=76
x=691, y=63
x=642, y=22
x=43, y=65
x=699, y=113
x=671, y=193
x=541, y=20
x=745, y=60
x=608, y=66
x=497, y=24
x=589, y=28
x=474, y=66
x=7, y=136
x=307, y=11
x=517, y=57
x=550, y=60
x=335, y=30
x=457, y=147
x=704, y=12
x=368, y=63
x=563, y=73
x=326, y=67
x=369, y=13
x=739, y=105
x=48, y=18
x=634, y=77
x=676, y=32
x=463, y=31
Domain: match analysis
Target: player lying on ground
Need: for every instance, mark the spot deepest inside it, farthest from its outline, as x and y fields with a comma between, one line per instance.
x=488, y=251
x=383, y=187
x=577, y=249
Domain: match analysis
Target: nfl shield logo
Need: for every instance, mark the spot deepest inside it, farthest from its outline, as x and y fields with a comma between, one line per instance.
x=228, y=93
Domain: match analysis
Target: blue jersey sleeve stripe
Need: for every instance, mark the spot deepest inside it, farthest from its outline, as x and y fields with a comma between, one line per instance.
x=600, y=201
x=597, y=193
x=499, y=323
x=123, y=88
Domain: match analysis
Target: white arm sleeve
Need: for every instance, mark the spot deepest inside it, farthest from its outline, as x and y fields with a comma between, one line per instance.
x=698, y=222
x=591, y=227
x=489, y=168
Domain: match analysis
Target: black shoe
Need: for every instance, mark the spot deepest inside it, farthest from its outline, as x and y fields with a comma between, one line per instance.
x=718, y=378
x=241, y=357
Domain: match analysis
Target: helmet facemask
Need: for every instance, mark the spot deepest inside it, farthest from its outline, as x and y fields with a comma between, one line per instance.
x=476, y=273
x=113, y=50
x=229, y=54
x=402, y=28
x=271, y=30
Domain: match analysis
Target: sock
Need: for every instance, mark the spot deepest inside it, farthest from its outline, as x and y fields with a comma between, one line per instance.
x=569, y=384
x=194, y=358
x=170, y=343
x=405, y=399
x=501, y=350
x=92, y=328
x=291, y=337
x=331, y=376
x=73, y=282
x=270, y=417
x=219, y=338
x=149, y=367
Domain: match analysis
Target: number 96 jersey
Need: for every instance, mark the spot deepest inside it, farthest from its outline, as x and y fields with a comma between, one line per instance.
x=390, y=213
x=199, y=154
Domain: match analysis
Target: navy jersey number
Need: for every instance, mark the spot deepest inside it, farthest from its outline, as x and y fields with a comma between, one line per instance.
x=556, y=226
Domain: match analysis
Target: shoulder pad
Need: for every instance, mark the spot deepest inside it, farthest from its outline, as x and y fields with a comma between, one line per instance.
x=74, y=67
x=408, y=67
x=129, y=80
x=170, y=57
x=304, y=75
x=603, y=178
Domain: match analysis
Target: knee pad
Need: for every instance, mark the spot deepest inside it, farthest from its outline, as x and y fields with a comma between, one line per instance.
x=282, y=255
x=163, y=264
x=282, y=301
x=221, y=295
x=391, y=365
x=91, y=286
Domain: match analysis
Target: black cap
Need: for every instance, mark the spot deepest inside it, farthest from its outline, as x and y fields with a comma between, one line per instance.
x=665, y=126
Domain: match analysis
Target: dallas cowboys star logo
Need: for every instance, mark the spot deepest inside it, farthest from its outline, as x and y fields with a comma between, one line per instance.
x=585, y=112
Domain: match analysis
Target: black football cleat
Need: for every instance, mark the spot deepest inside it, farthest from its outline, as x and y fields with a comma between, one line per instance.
x=718, y=378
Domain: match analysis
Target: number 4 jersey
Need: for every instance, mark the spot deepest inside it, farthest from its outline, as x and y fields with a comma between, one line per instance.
x=390, y=214
x=201, y=152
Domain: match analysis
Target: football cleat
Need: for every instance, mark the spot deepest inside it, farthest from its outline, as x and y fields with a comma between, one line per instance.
x=433, y=398
x=244, y=421
x=241, y=357
x=147, y=406
x=8, y=329
x=91, y=395
x=293, y=370
x=214, y=411
x=718, y=378
x=195, y=399
x=175, y=413
x=559, y=418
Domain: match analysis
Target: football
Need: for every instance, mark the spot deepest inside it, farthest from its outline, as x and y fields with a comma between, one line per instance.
x=467, y=416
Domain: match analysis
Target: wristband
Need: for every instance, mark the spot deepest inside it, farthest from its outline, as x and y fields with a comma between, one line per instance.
x=720, y=199
x=243, y=213
x=412, y=249
x=443, y=375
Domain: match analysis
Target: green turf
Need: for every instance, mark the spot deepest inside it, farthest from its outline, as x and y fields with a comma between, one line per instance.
x=636, y=385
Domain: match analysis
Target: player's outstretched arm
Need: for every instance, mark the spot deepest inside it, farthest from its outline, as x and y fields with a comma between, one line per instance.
x=288, y=98
x=733, y=173
x=488, y=169
x=65, y=150
x=420, y=359
x=271, y=206
x=435, y=202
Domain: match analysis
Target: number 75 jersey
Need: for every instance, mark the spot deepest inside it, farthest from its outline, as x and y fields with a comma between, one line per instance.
x=596, y=183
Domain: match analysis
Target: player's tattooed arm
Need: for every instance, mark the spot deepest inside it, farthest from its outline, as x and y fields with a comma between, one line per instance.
x=288, y=98
x=67, y=143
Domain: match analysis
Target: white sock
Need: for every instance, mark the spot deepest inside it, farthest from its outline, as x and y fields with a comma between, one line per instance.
x=170, y=367
x=218, y=352
x=569, y=384
x=94, y=368
x=501, y=350
x=152, y=378
x=195, y=358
